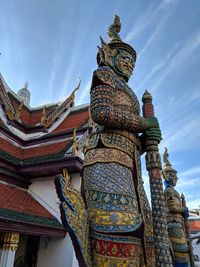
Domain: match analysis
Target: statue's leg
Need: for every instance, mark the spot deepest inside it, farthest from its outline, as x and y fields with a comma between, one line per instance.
x=113, y=214
x=179, y=244
x=116, y=250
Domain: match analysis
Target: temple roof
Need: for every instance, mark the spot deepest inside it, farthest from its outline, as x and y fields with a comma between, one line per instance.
x=194, y=224
x=23, y=154
x=28, y=123
x=20, y=212
x=37, y=142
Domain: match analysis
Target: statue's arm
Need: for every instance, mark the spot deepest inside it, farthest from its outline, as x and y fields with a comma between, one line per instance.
x=171, y=203
x=103, y=111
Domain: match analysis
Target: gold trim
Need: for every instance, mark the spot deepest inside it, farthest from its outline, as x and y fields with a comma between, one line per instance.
x=11, y=241
x=107, y=155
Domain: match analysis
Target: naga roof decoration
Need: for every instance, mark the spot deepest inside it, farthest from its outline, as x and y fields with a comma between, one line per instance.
x=47, y=121
x=30, y=149
x=9, y=108
x=52, y=148
x=28, y=123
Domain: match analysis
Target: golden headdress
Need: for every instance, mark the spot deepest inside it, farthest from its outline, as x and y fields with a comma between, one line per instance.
x=167, y=165
x=115, y=40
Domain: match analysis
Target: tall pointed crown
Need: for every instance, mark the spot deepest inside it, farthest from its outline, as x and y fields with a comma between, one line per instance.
x=115, y=40
x=167, y=165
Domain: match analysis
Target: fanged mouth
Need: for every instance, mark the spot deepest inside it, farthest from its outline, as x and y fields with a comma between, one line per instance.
x=128, y=67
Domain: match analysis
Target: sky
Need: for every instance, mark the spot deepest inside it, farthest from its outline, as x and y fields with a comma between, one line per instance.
x=51, y=44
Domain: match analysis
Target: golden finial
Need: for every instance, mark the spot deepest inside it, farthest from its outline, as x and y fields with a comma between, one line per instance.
x=114, y=29
x=72, y=96
x=75, y=147
x=75, y=137
x=19, y=110
x=43, y=117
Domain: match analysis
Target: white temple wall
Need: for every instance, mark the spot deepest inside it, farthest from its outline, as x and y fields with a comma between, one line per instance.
x=76, y=180
x=43, y=190
x=53, y=251
x=56, y=252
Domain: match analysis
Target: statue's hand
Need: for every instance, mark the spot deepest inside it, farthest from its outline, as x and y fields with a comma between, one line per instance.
x=154, y=134
x=152, y=122
x=186, y=213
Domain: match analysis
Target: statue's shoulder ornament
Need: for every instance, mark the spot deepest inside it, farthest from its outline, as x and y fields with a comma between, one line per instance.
x=105, y=75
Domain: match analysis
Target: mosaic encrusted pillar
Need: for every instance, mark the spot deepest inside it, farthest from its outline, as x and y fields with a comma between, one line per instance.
x=153, y=165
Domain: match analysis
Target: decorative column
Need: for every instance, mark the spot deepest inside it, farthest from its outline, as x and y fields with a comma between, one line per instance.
x=153, y=166
x=10, y=245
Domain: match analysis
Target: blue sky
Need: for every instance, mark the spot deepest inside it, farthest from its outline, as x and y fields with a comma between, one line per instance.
x=51, y=44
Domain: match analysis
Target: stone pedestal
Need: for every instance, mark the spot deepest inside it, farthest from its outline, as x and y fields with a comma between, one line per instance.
x=9, y=248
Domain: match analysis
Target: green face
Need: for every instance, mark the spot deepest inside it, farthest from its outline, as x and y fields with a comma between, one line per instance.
x=173, y=178
x=124, y=64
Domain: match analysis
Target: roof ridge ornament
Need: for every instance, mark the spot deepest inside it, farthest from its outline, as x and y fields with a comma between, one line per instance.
x=75, y=145
x=72, y=95
x=48, y=120
x=9, y=108
x=19, y=110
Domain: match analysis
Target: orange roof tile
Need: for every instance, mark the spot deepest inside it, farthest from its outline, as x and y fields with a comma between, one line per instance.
x=73, y=121
x=10, y=148
x=42, y=150
x=15, y=199
x=194, y=225
x=30, y=117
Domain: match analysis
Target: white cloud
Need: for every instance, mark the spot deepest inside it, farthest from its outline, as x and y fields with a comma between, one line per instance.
x=193, y=204
x=156, y=68
x=188, y=182
x=150, y=15
x=85, y=93
x=183, y=136
x=68, y=77
x=52, y=75
x=154, y=34
x=190, y=172
x=183, y=54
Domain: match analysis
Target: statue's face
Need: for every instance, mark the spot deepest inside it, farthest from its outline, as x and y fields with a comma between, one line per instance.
x=124, y=63
x=173, y=178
